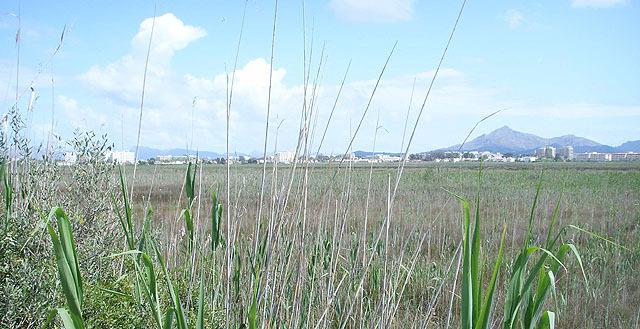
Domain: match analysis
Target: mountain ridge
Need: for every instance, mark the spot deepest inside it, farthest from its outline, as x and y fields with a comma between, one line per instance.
x=507, y=140
x=502, y=140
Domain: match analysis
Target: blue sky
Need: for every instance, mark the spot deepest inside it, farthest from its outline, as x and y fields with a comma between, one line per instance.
x=559, y=67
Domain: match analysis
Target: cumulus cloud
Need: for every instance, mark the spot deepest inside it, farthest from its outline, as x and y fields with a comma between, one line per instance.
x=597, y=3
x=82, y=116
x=123, y=78
x=252, y=83
x=513, y=18
x=373, y=10
x=169, y=96
x=170, y=35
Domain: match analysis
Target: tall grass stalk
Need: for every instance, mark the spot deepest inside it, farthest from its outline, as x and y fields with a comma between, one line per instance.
x=230, y=230
x=266, y=129
x=144, y=85
x=424, y=101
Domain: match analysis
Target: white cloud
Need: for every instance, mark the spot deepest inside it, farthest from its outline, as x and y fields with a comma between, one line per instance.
x=373, y=10
x=80, y=116
x=170, y=35
x=167, y=119
x=597, y=3
x=513, y=18
x=252, y=84
x=123, y=78
x=168, y=95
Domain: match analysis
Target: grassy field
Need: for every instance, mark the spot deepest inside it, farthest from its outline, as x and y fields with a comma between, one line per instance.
x=601, y=198
x=322, y=253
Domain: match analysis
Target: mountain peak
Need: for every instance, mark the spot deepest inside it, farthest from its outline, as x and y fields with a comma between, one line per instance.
x=505, y=139
x=502, y=131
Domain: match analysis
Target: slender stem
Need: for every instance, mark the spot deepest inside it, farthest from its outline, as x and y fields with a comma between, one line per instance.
x=424, y=102
x=266, y=130
x=230, y=231
x=144, y=85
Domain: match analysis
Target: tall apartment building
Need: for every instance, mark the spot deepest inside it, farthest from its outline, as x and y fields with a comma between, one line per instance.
x=548, y=152
x=566, y=152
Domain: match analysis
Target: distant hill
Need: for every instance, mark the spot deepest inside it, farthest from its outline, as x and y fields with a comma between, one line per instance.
x=507, y=140
x=630, y=146
x=503, y=140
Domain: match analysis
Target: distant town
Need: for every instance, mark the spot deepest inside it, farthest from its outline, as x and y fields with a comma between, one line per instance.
x=547, y=153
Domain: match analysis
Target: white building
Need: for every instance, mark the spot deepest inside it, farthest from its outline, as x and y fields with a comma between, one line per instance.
x=600, y=157
x=629, y=156
x=172, y=159
x=566, y=152
x=386, y=158
x=122, y=157
x=284, y=157
x=493, y=157
x=592, y=156
x=633, y=156
x=528, y=159
x=548, y=152
x=581, y=156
